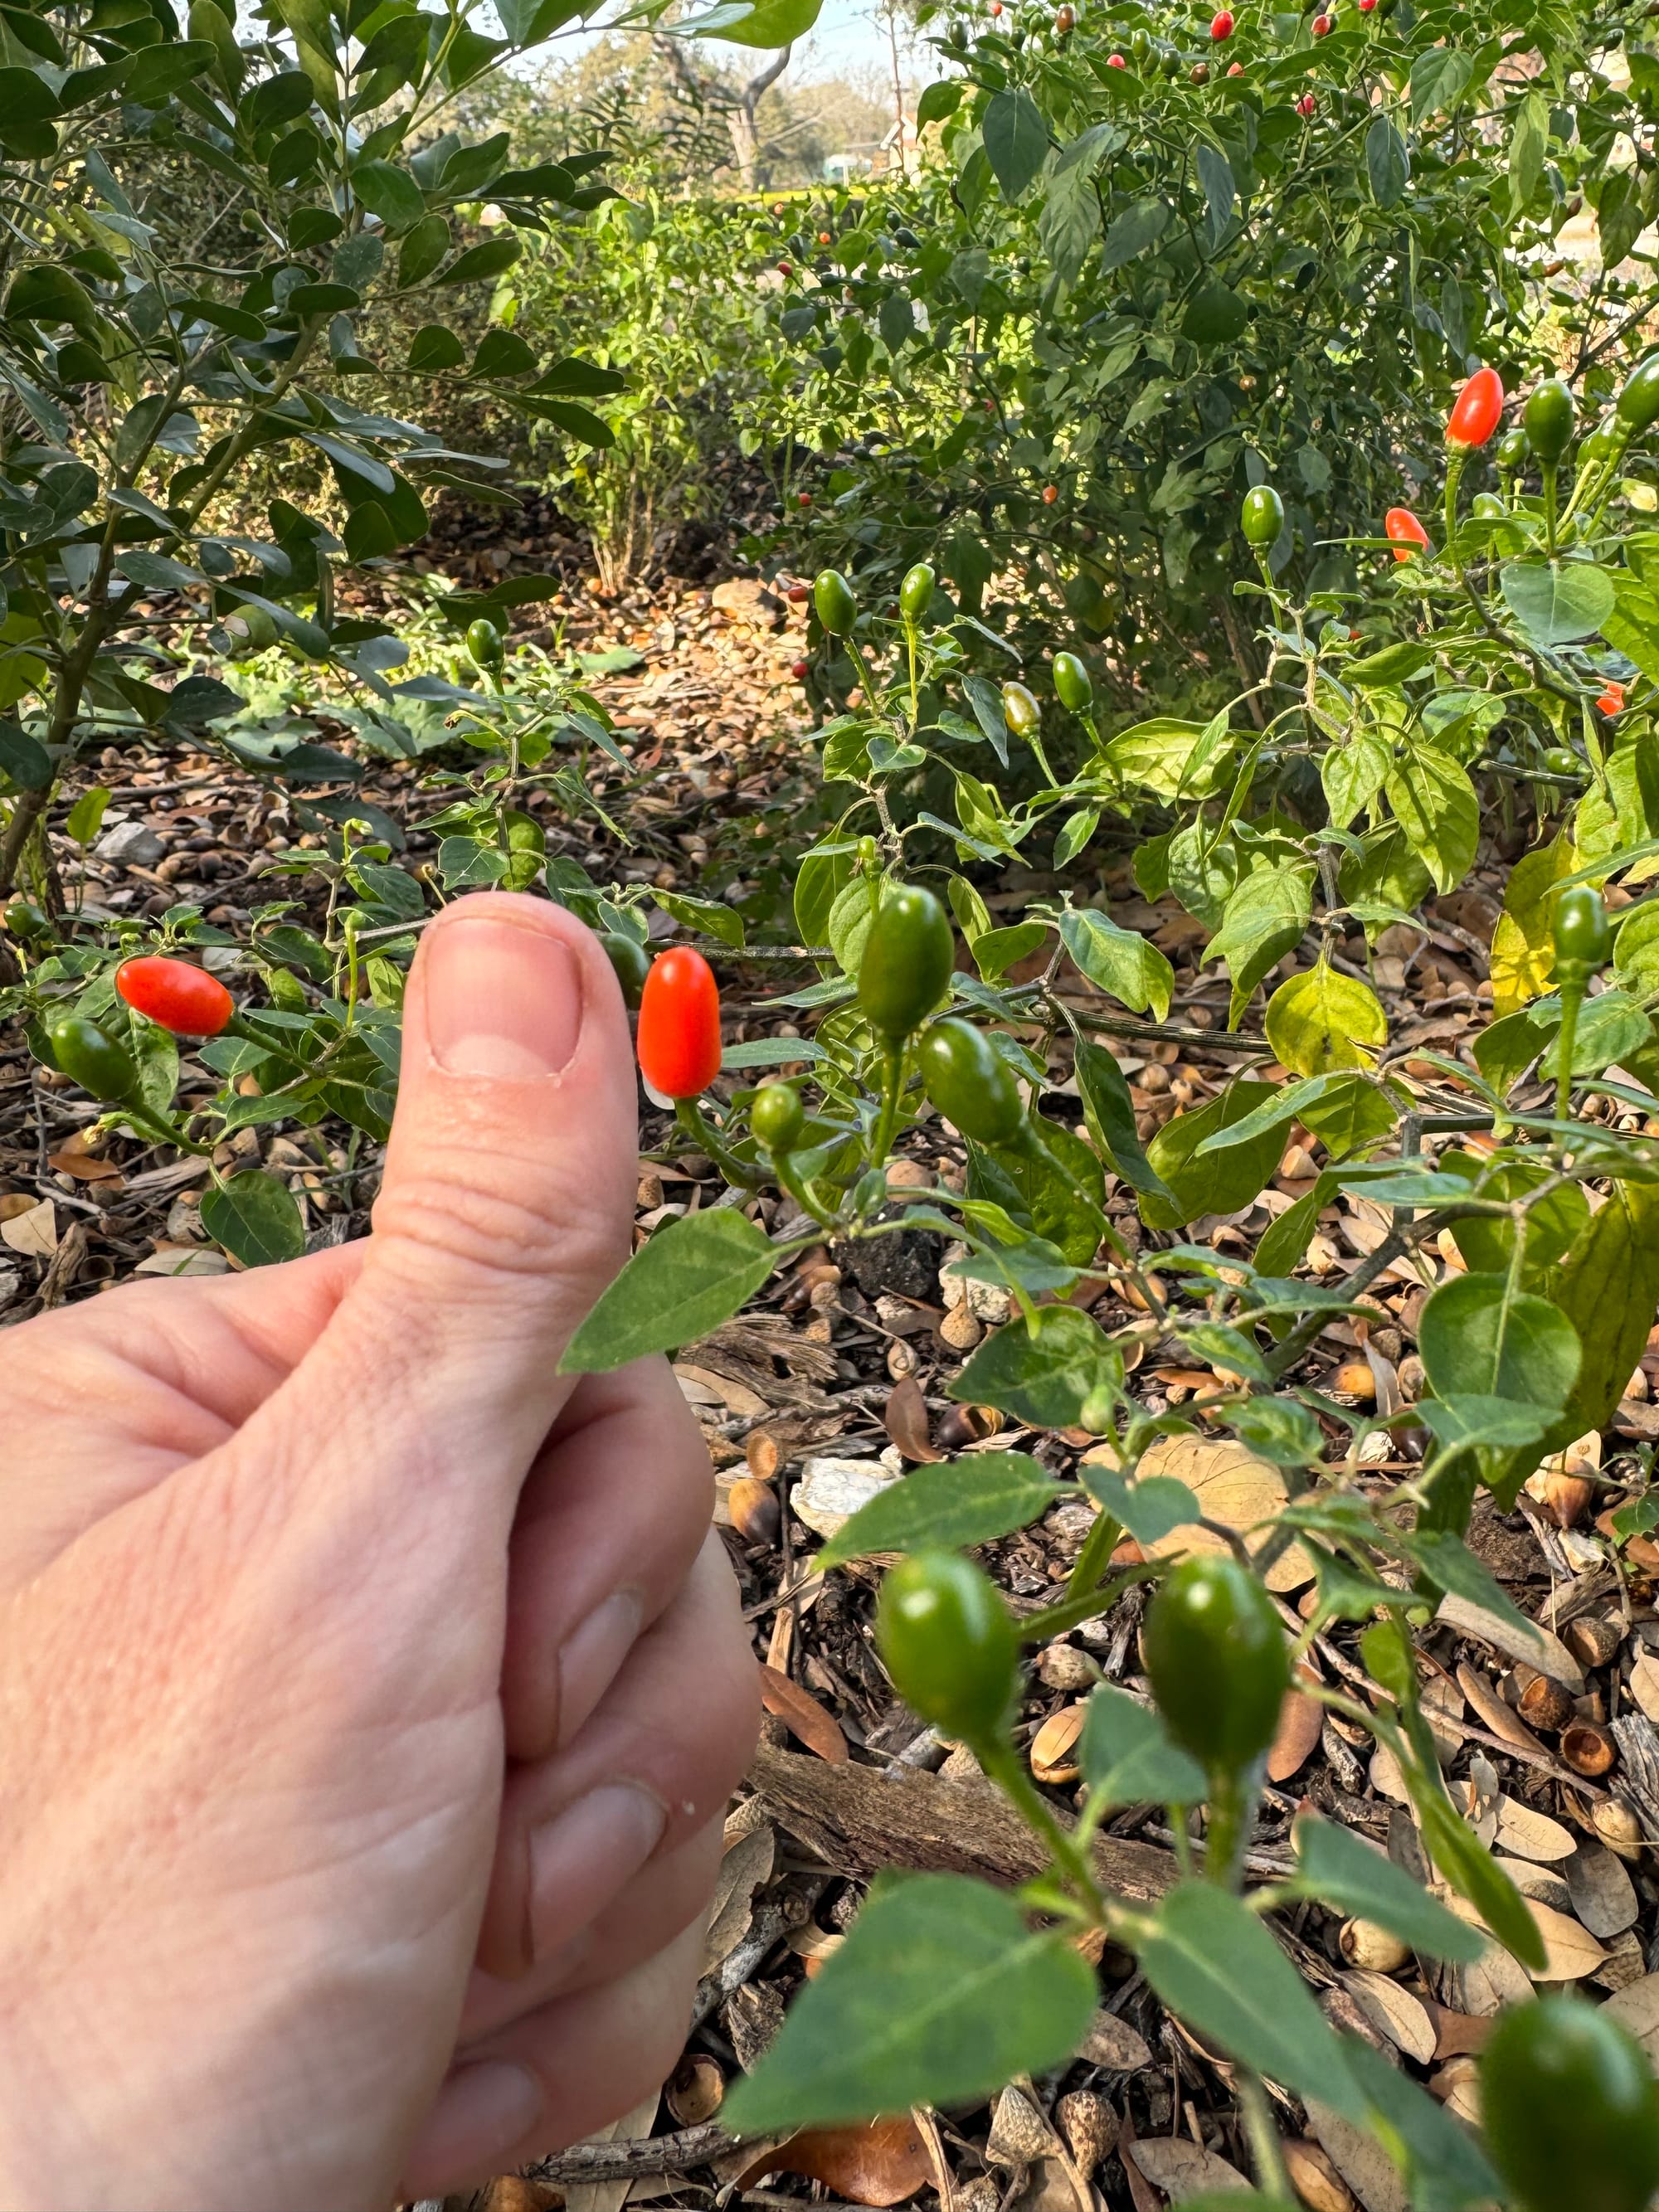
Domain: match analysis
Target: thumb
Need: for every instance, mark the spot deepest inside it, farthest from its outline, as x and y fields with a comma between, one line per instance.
x=506, y=1208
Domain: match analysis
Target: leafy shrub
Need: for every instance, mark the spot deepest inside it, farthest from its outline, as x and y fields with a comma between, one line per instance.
x=1119, y=296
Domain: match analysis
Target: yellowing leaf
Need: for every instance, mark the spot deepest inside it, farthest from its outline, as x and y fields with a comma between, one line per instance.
x=1319, y=1021
x=1522, y=956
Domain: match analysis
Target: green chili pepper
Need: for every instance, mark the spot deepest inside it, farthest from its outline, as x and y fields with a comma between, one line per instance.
x=1216, y=1658
x=1262, y=517
x=1549, y=418
x=777, y=1118
x=915, y=592
x=832, y=595
x=970, y=1081
x=1569, y=2109
x=631, y=962
x=1639, y=402
x=908, y=959
x=1074, y=686
x=945, y=1637
x=92, y=1058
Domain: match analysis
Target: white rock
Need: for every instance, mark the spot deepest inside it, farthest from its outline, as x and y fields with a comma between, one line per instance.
x=129, y=844
x=830, y=1491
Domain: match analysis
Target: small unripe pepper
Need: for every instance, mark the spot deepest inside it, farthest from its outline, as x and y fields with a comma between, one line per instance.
x=679, y=1027
x=1217, y=1660
x=1513, y=449
x=1579, y=927
x=92, y=1058
x=631, y=962
x=483, y=642
x=1074, y=686
x=1638, y=402
x=175, y=994
x=1549, y=417
x=832, y=595
x=1020, y=710
x=1569, y=2109
x=916, y=592
x=906, y=964
x=777, y=1118
x=1262, y=518
x=25, y=919
x=970, y=1082
x=945, y=1637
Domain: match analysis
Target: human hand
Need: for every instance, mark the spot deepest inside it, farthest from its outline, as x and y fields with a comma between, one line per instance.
x=372, y=1692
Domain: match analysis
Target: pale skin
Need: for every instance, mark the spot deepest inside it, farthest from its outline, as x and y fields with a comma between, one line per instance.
x=323, y=1597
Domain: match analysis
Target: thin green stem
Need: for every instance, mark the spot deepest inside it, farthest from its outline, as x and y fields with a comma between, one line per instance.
x=892, y=1092
x=1263, y=2136
x=1572, y=997
x=1003, y=1764
x=702, y=1131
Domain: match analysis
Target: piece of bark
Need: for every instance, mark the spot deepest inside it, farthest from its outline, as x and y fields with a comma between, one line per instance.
x=861, y=1819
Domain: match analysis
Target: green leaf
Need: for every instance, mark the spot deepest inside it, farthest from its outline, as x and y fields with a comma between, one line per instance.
x=255, y=1217
x=1149, y=1508
x=1445, y=2165
x=1044, y=1371
x=1352, y=774
x=939, y=100
x=1280, y=1430
x=692, y=1275
x=1140, y=225
x=939, y=1995
x=1016, y=140
x=1108, y=1114
x=390, y=193
x=1341, y=1870
x=1478, y=1334
x=1438, y=807
x=1119, y=961
x=765, y=23
x=1470, y=1418
x=1470, y=1869
x=1439, y=77
x=24, y=759
x=1220, y=1183
x=433, y=349
x=956, y=1503
x=1387, y=165
x=1210, y=1959
x=1128, y=1757
x=489, y=259
x=1558, y=602
x=996, y=950
x=1215, y=316
x=1264, y=920
x=87, y=814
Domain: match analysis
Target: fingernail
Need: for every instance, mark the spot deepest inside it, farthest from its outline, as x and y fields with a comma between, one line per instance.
x=580, y=1858
x=592, y=1658
x=484, y=2111
x=502, y=999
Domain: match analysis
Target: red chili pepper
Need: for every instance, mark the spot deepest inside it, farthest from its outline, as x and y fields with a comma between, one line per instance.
x=1221, y=25
x=1050, y=494
x=1115, y=61
x=679, y=1032
x=799, y=595
x=1306, y=105
x=803, y=499
x=175, y=995
x=1408, y=532
x=1612, y=700
x=1477, y=412
x=1236, y=68
x=1322, y=26
x=797, y=669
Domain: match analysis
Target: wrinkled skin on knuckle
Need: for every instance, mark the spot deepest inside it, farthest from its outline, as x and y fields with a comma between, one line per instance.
x=489, y=1226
